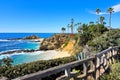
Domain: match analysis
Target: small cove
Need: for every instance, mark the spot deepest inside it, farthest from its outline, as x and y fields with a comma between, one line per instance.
x=7, y=44
x=26, y=57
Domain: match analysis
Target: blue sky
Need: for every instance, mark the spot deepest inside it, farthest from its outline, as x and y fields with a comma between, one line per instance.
x=51, y=15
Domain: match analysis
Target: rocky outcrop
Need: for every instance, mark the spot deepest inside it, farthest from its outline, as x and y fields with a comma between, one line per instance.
x=53, y=42
x=31, y=37
x=18, y=51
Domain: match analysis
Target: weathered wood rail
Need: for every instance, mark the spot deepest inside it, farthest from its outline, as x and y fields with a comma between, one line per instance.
x=92, y=68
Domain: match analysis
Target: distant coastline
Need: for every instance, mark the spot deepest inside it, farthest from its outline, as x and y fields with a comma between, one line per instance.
x=22, y=35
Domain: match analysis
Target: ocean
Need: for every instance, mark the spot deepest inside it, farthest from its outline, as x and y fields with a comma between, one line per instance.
x=7, y=44
x=22, y=35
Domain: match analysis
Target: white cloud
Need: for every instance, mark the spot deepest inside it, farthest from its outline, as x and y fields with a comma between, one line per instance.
x=116, y=8
x=101, y=13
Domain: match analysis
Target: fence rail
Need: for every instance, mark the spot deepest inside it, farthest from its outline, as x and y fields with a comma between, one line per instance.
x=91, y=68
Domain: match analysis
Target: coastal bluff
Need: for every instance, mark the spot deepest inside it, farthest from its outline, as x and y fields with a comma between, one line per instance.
x=54, y=42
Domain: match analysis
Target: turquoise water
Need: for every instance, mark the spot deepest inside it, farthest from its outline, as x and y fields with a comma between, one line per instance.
x=7, y=42
x=6, y=45
x=20, y=58
x=25, y=57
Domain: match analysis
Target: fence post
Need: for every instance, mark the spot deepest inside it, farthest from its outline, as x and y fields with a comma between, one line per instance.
x=95, y=64
x=67, y=73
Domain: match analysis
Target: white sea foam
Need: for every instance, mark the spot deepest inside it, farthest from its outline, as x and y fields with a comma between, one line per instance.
x=9, y=55
x=3, y=40
x=5, y=55
x=6, y=40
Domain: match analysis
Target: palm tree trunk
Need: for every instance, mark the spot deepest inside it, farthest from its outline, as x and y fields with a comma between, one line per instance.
x=68, y=30
x=98, y=22
x=72, y=25
x=98, y=18
x=102, y=22
x=110, y=21
x=72, y=29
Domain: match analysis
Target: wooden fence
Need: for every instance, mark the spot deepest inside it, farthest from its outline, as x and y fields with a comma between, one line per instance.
x=90, y=68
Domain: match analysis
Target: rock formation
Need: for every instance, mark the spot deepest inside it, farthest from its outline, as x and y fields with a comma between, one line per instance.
x=31, y=37
x=53, y=42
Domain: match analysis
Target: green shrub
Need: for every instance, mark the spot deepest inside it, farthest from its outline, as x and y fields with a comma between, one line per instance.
x=114, y=73
x=27, y=68
x=66, y=42
x=110, y=38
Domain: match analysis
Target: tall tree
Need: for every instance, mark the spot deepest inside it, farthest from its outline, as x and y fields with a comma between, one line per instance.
x=63, y=29
x=78, y=24
x=83, y=28
x=68, y=26
x=91, y=22
x=72, y=25
x=110, y=11
x=102, y=19
x=98, y=13
x=104, y=23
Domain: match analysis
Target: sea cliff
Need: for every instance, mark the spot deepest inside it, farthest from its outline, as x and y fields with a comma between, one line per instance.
x=54, y=42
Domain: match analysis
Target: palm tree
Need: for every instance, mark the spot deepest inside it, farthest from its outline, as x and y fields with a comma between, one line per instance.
x=91, y=22
x=102, y=19
x=72, y=25
x=68, y=26
x=78, y=24
x=104, y=23
x=63, y=29
x=110, y=11
x=98, y=13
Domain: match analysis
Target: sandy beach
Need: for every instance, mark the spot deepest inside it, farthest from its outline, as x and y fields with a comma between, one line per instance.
x=38, y=40
x=61, y=54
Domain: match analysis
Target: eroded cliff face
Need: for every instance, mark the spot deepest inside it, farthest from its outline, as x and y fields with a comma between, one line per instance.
x=53, y=42
x=70, y=45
